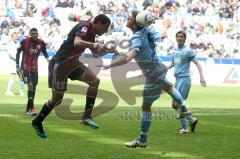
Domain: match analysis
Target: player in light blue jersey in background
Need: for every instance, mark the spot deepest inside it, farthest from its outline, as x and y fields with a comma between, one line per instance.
x=182, y=56
x=142, y=50
x=12, y=49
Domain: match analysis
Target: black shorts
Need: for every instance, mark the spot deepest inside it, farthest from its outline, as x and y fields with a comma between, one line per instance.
x=58, y=74
x=30, y=77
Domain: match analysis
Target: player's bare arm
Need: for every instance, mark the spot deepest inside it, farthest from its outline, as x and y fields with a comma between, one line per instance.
x=80, y=43
x=123, y=60
x=202, y=80
x=96, y=48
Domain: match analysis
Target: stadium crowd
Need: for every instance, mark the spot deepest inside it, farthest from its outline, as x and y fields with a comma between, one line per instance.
x=212, y=26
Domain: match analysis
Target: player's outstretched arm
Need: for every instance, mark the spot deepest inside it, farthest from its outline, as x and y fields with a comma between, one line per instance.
x=103, y=49
x=123, y=60
x=79, y=42
x=110, y=48
x=97, y=49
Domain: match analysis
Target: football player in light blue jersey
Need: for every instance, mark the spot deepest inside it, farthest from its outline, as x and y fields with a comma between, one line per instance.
x=142, y=50
x=182, y=56
x=12, y=49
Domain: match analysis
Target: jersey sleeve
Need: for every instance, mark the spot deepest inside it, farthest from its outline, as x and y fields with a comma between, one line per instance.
x=191, y=55
x=135, y=42
x=156, y=35
x=82, y=31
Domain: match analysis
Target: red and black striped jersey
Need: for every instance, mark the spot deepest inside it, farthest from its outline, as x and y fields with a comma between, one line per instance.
x=31, y=51
x=67, y=51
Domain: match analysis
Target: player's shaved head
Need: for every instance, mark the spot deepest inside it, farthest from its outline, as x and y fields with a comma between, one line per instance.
x=33, y=34
x=33, y=30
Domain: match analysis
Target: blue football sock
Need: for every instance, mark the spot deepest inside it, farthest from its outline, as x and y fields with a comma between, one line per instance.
x=10, y=84
x=183, y=123
x=176, y=96
x=189, y=118
x=179, y=99
x=184, y=107
x=146, y=118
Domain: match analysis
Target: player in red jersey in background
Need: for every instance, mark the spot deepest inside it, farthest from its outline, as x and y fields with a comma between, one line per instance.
x=30, y=47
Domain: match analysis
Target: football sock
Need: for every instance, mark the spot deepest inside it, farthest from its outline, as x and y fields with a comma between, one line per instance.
x=10, y=84
x=183, y=123
x=90, y=101
x=189, y=118
x=46, y=109
x=89, y=107
x=184, y=107
x=21, y=84
x=176, y=96
x=146, y=118
x=30, y=103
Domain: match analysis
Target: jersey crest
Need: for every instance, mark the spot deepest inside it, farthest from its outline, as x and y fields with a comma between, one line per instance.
x=84, y=29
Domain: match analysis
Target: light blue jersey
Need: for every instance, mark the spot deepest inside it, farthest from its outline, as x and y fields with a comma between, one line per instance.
x=181, y=59
x=12, y=50
x=144, y=42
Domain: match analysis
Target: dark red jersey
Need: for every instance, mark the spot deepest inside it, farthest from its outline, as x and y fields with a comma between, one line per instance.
x=31, y=51
x=67, y=51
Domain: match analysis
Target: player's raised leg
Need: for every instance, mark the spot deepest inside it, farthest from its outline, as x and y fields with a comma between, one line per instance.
x=176, y=96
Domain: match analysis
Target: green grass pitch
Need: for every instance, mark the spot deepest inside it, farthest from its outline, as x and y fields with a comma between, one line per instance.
x=217, y=136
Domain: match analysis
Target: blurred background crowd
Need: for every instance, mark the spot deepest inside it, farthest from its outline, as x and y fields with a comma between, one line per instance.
x=212, y=26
